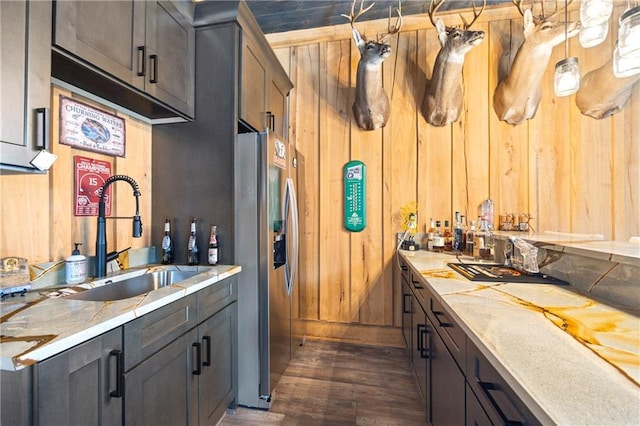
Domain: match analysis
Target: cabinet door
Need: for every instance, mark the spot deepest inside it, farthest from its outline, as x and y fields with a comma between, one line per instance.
x=25, y=88
x=169, y=56
x=163, y=390
x=106, y=34
x=217, y=382
x=253, y=85
x=447, y=384
x=81, y=385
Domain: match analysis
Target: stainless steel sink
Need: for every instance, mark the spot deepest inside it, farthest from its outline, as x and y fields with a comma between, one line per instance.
x=130, y=287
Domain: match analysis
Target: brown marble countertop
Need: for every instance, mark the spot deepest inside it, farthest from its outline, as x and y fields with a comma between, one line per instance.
x=572, y=359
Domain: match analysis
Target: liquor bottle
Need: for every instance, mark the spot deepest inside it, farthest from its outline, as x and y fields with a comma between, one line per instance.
x=430, y=233
x=438, y=238
x=448, y=237
x=458, y=234
x=212, y=257
x=192, y=257
x=484, y=245
x=167, y=244
x=469, y=238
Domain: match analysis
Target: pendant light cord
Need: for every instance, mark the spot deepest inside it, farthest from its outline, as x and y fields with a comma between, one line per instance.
x=566, y=33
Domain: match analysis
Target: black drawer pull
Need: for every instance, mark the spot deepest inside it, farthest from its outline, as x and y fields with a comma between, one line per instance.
x=198, y=369
x=119, y=355
x=207, y=339
x=486, y=388
x=419, y=335
x=416, y=285
x=439, y=314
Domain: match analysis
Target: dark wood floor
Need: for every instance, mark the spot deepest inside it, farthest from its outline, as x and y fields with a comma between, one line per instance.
x=335, y=383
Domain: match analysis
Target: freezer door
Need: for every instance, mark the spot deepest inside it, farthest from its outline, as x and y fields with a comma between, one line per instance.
x=279, y=301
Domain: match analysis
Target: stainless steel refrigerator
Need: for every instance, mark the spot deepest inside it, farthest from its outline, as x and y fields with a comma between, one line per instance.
x=267, y=250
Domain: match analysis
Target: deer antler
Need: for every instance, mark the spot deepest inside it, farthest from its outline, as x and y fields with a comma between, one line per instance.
x=391, y=30
x=475, y=15
x=543, y=16
x=351, y=17
x=433, y=8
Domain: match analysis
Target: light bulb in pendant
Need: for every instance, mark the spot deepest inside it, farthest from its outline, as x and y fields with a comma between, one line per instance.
x=629, y=33
x=566, y=80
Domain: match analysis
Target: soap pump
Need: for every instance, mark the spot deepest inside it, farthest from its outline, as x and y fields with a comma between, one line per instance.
x=76, y=267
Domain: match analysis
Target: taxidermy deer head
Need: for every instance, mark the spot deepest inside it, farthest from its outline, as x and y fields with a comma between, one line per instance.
x=517, y=97
x=371, y=105
x=442, y=101
x=602, y=94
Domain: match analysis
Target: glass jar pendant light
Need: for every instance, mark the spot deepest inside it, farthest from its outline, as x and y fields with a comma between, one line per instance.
x=626, y=56
x=566, y=80
x=594, y=21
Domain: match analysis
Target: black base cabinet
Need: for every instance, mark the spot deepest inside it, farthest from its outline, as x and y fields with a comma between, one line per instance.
x=175, y=365
x=77, y=387
x=457, y=382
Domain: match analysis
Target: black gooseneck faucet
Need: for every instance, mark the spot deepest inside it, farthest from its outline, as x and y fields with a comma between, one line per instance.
x=101, y=238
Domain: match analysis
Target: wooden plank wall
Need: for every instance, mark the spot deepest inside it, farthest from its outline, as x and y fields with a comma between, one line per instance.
x=37, y=214
x=570, y=172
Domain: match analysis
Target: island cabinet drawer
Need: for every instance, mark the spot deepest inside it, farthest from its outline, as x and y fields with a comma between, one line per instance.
x=499, y=401
x=453, y=336
x=215, y=297
x=151, y=332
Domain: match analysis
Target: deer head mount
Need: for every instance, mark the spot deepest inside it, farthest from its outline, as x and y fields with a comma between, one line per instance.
x=518, y=96
x=371, y=105
x=602, y=94
x=442, y=101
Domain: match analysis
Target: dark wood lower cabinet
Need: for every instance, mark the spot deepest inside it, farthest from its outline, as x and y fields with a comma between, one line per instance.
x=80, y=386
x=457, y=382
x=163, y=390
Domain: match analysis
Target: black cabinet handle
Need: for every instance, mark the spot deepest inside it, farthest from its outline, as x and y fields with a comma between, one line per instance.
x=404, y=305
x=154, y=68
x=416, y=285
x=119, y=355
x=198, y=369
x=424, y=337
x=439, y=314
x=207, y=339
x=486, y=388
x=42, y=128
x=273, y=122
x=142, y=69
x=419, y=336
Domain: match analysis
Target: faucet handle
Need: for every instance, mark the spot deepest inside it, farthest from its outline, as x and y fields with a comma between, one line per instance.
x=137, y=226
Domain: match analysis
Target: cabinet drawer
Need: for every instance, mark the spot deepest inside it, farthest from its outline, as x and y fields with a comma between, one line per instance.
x=149, y=333
x=216, y=297
x=497, y=399
x=451, y=333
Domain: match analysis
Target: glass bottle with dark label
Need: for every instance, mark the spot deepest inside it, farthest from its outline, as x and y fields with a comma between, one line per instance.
x=192, y=256
x=470, y=238
x=458, y=234
x=167, y=244
x=212, y=257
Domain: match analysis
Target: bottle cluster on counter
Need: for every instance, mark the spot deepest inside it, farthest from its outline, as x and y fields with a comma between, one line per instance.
x=475, y=239
x=167, y=255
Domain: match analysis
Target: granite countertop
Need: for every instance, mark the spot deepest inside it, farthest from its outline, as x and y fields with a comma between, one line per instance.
x=41, y=324
x=570, y=358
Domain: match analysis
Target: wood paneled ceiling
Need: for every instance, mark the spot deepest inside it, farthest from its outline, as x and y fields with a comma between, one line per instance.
x=277, y=16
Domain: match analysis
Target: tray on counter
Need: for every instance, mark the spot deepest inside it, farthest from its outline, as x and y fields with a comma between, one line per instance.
x=500, y=273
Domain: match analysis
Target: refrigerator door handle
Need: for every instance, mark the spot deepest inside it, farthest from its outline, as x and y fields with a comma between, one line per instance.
x=290, y=204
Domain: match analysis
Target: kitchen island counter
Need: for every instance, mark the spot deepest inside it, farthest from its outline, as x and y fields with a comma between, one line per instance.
x=571, y=359
x=43, y=323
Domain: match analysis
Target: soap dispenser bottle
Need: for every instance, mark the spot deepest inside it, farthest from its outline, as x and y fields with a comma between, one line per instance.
x=76, y=267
